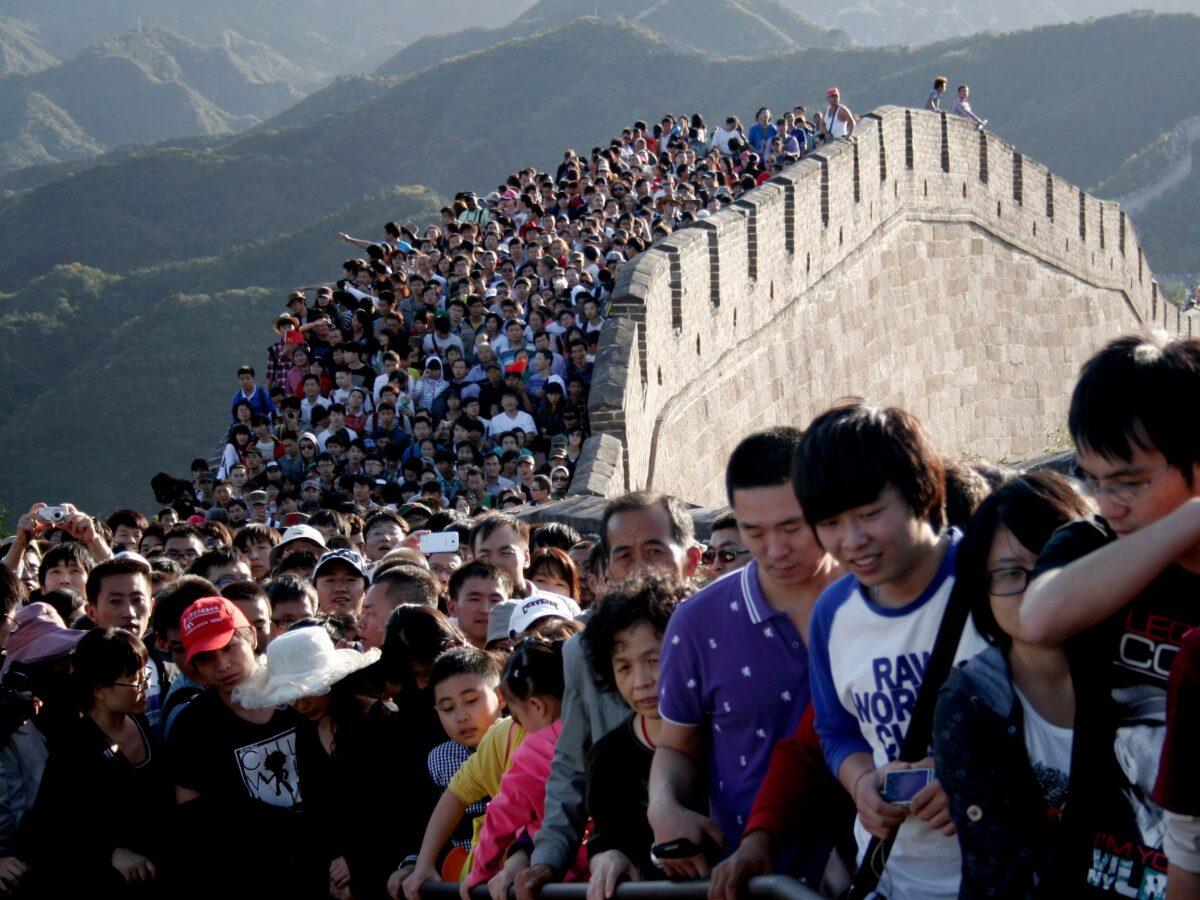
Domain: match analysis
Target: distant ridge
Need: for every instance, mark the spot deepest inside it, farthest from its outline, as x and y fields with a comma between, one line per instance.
x=144, y=86
x=718, y=28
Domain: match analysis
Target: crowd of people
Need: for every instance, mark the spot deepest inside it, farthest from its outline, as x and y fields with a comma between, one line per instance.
x=884, y=673
x=450, y=367
x=345, y=657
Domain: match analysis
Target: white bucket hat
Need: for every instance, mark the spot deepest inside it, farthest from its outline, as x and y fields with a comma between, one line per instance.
x=300, y=663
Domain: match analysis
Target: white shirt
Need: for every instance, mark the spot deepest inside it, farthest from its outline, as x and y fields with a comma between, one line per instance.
x=307, y=406
x=324, y=436
x=834, y=126
x=1049, y=749
x=503, y=422
x=437, y=346
x=721, y=138
x=875, y=659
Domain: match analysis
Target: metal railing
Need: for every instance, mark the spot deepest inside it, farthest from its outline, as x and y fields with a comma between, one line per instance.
x=763, y=887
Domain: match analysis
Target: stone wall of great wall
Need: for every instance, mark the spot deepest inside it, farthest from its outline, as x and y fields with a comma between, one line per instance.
x=924, y=264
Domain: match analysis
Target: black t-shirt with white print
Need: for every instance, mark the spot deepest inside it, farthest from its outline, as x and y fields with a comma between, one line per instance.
x=1119, y=669
x=250, y=783
x=218, y=754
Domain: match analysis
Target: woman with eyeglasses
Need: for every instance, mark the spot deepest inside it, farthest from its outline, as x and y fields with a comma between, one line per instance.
x=105, y=780
x=1003, y=727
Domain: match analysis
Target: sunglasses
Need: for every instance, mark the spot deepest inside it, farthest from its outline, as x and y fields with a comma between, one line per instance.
x=726, y=556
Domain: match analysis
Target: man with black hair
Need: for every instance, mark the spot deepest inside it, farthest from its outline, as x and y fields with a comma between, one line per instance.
x=511, y=417
x=873, y=488
x=65, y=566
x=183, y=543
x=494, y=482
x=250, y=392
x=724, y=711
x=725, y=552
x=1120, y=591
x=221, y=566
x=126, y=526
x=383, y=532
x=403, y=584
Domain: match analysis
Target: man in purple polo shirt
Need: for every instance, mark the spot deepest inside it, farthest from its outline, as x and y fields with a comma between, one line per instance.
x=734, y=671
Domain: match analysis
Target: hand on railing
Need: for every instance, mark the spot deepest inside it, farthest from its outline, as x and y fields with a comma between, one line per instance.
x=417, y=877
x=530, y=881
x=671, y=821
x=752, y=857
x=609, y=869
x=395, y=883
x=517, y=862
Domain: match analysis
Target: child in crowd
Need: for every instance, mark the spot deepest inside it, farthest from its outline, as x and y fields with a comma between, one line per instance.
x=532, y=684
x=466, y=693
x=474, y=590
x=623, y=640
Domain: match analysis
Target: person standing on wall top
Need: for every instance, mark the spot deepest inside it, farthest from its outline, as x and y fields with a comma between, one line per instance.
x=837, y=121
x=934, y=102
x=762, y=132
x=962, y=106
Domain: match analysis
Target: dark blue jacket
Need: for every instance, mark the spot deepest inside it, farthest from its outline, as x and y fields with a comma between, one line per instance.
x=1009, y=846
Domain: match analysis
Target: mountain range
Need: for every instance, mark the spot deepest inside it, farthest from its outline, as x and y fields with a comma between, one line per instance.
x=142, y=86
x=721, y=28
x=888, y=22
x=327, y=38
x=218, y=228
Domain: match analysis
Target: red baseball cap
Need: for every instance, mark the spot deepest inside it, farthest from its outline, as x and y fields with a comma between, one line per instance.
x=208, y=624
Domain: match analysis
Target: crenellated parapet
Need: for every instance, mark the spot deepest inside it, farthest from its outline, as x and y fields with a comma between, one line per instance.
x=925, y=263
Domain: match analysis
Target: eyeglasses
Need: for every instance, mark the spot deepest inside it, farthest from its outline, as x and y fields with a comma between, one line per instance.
x=141, y=682
x=1122, y=493
x=1008, y=581
x=708, y=557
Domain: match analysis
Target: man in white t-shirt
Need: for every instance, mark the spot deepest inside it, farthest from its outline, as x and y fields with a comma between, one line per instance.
x=337, y=422
x=511, y=418
x=872, y=631
x=441, y=338
x=312, y=398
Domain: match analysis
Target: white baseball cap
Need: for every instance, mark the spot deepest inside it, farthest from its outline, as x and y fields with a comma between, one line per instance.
x=534, y=609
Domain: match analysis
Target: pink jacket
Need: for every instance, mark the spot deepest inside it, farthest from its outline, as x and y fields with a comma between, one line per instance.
x=518, y=806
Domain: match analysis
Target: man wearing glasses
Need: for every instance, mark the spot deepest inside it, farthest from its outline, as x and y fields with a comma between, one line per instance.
x=725, y=552
x=1119, y=591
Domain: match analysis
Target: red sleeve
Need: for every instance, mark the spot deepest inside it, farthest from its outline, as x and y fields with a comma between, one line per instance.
x=1178, y=785
x=797, y=782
